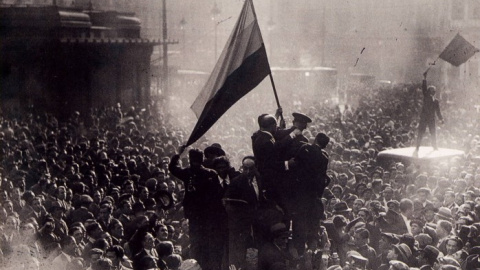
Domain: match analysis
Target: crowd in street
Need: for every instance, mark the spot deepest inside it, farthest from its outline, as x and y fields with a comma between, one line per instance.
x=109, y=190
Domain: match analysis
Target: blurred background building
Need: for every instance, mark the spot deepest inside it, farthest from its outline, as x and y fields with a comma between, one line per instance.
x=389, y=41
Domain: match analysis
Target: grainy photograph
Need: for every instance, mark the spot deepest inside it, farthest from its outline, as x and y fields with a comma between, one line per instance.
x=239, y=135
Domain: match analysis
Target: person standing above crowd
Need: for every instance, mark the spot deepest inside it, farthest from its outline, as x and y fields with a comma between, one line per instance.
x=266, y=150
x=201, y=184
x=310, y=166
x=288, y=184
x=430, y=108
x=300, y=122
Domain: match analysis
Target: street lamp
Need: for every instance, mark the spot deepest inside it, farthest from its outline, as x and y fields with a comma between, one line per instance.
x=183, y=22
x=215, y=12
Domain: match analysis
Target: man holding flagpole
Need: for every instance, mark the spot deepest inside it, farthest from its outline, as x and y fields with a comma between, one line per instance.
x=430, y=108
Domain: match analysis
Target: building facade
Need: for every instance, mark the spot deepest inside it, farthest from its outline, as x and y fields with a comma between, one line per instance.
x=64, y=59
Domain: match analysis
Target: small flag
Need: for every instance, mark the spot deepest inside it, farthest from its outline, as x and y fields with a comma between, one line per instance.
x=458, y=51
x=242, y=65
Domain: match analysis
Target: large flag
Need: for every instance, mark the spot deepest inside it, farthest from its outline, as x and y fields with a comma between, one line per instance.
x=242, y=65
x=458, y=51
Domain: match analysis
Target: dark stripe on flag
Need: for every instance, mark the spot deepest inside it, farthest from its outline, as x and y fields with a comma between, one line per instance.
x=241, y=81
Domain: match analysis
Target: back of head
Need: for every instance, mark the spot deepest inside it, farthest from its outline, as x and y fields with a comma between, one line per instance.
x=164, y=249
x=267, y=121
x=260, y=119
x=102, y=264
x=196, y=155
x=173, y=261
x=322, y=139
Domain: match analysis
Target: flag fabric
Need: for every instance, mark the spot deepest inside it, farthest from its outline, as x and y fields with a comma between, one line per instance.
x=242, y=65
x=458, y=51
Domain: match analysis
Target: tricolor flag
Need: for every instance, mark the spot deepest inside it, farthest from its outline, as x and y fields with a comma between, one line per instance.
x=458, y=51
x=242, y=65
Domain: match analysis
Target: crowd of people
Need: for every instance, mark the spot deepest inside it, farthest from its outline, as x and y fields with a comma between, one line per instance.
x=111, y=189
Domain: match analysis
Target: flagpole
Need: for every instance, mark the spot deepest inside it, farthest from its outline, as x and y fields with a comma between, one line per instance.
x=282, y=120
x=274, y=90
x=431, y=64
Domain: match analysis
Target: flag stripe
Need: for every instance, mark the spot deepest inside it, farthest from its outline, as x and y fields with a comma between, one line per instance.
x=252, y=71
x=242, y=65
x=244, y=40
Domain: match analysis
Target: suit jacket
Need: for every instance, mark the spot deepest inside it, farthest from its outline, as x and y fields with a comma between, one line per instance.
x=430, y=106
x=311, y=164
x=202, y=189
x=241, y=201
x=419, y=208
x=297, y=142
x=271, y=257
x=139, y=256
x=267, y=154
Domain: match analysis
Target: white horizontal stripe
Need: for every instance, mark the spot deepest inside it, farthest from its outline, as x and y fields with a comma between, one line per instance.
x=244, y=41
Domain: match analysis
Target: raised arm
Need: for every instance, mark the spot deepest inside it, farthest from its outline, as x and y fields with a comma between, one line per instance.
x=176, y=170
x=424, y=84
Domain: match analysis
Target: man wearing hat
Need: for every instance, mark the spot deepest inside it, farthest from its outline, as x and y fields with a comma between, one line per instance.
x=211, y=152
x=342, y=208
x=356, y=261
x=386, y=242
x=300, y=122
x=421, y=202
x=287, y=184
x=57, y=211
x=274, y=254
x=361, y=238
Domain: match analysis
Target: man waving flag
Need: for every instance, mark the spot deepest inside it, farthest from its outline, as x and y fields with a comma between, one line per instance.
x=242, y=65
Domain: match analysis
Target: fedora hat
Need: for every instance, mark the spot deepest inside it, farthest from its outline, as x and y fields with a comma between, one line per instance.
x=341, y=207
x=444, y=213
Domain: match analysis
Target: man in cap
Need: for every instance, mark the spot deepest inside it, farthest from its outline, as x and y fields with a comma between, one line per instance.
x=57, y=211
x=427, y=116
x=421, y=202
x=300, y=122
x=361, y=238
x=274, y=254
x=386, y=242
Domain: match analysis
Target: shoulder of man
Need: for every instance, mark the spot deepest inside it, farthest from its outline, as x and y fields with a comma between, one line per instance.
x=209, y=172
